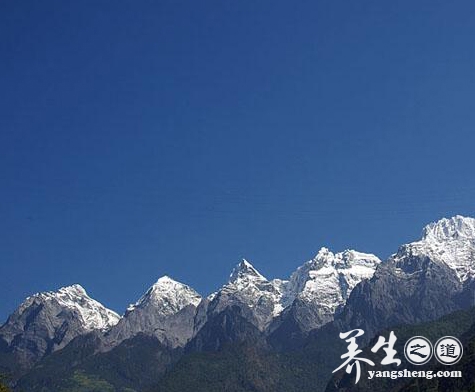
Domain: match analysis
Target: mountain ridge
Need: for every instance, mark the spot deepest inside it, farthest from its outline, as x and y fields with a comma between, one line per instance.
x=423, y=280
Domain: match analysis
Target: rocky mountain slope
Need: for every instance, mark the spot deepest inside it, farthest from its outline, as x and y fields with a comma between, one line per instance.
x=318, y=289
x=166, y=311
x=288, y=321
x=46, y=322
x=260, y=299
x=315, y=292
x=422, y=281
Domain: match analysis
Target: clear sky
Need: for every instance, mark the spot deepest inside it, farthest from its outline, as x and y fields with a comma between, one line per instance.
x=142, y=138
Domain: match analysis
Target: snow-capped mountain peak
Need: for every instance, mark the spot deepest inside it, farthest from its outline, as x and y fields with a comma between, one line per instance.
x=350, y=266
x=245, y=270
x=48, y=321
x=244, y=275
x=450, y=241
x=91, y=313
x=246, y=286
x=168, y=296
x=322, y=285
x=165, y=280
x=166, y=311
x=74, y=289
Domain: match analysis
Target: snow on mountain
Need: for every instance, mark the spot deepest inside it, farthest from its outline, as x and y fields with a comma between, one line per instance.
x=168, y=296
x=166, y=310
x=246, y=286
x=329, y=278
x=424, y=280
x=92, y=314
x=174, y=312
x=254, y=289
x=450, y=241
x=322, y=284
x=46, y=322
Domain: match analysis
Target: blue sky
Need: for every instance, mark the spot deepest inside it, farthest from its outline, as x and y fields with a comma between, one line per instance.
x=175, y=137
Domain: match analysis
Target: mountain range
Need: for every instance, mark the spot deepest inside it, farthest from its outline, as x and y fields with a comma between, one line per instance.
x=58, y=341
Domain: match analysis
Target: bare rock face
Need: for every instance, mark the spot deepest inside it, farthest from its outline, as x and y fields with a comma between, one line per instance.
x=406, y=291
x=224, y=328
x=167, y=311
x=46, y=322
x=239, y=312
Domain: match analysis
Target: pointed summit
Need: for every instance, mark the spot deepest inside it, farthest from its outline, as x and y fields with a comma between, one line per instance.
x=245, y=270
x=166, y=311
x=168, y=296
x=165, y=280
x=258, y=298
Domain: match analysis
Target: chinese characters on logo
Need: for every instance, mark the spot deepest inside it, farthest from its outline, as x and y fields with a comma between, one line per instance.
x=352, y=358
x=448, y=350
x=418, y=350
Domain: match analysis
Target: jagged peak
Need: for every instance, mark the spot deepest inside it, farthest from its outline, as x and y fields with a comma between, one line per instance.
x=324, y=253
x=356, y=265
x=351, y=257
x=456, y=227
x=347, y=258
x=245, y=270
